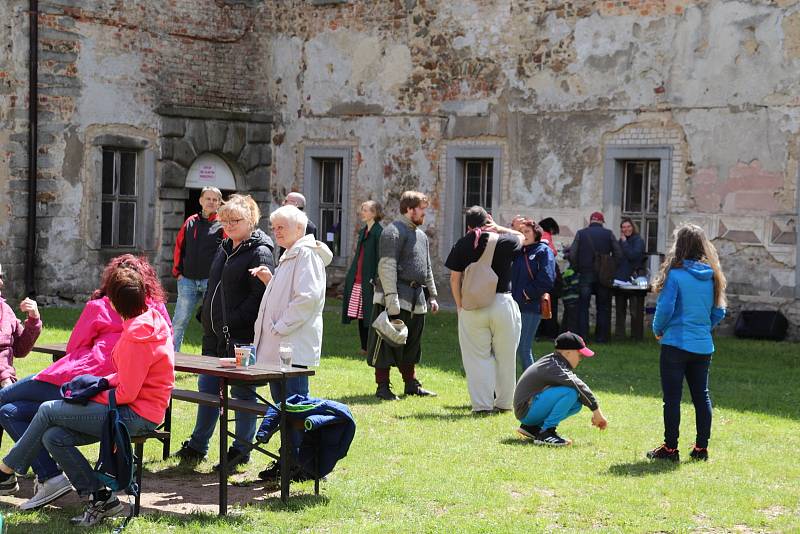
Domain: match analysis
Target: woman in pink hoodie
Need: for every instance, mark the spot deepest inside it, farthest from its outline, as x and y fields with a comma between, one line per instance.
x=88, y=352
x=16, y=339
x=142, y=373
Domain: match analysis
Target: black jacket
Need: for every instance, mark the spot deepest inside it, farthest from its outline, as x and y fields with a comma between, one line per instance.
x=195, y=246
x=581, y=253
x=229, y=280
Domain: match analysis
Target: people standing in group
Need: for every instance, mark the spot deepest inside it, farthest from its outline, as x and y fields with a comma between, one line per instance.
x=358, y=285
x=593, y=242
x=229, y=312
x=488, y=336
x=88, y=351
x=195, y=246
x=691, y=302
x=290, y=311
x=549, y=391
x=550, y=328
x=534, y=274
x=404, y=288
x=141, y=374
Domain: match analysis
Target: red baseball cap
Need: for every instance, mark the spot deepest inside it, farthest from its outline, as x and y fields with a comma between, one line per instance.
x=571, y=341
x=597, y=216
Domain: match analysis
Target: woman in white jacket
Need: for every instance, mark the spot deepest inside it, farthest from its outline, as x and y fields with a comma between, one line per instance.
x=291, y=308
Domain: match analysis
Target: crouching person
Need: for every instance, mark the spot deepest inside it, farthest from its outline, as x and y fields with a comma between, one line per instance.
x=548, y=392
x=143, y=375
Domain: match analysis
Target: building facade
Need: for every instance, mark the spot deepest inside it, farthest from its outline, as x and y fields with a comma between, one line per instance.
x=666, y=111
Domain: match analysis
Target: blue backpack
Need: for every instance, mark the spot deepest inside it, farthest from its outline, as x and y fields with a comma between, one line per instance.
x=115, y=466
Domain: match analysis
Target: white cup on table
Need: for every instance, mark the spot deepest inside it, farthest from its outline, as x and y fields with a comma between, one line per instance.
x=285, y=351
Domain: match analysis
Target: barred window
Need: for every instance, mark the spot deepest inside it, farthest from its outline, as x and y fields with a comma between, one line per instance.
x=120, y=197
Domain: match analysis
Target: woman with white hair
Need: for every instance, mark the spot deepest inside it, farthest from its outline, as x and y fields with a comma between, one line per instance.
x=291, y=308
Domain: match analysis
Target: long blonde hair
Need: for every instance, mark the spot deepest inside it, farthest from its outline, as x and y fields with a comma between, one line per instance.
x=691, y=243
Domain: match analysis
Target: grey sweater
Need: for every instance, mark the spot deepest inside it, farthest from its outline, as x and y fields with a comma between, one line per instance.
x=404, y=258
x=550, y=370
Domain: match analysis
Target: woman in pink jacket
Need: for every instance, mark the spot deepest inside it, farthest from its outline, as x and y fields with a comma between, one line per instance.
x=88, y=352
x=142, y=374
x=16, y=339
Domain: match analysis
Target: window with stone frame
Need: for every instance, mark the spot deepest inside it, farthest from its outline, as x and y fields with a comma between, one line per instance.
x=330, y=173
x=640, y=198
x=120, y=195
x=477, y=183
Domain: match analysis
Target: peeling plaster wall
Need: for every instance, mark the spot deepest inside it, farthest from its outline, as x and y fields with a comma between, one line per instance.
x=105, y=67
x=556, y=83
x=553, y=85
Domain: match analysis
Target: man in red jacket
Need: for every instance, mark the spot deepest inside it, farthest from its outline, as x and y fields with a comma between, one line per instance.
x=195, y=246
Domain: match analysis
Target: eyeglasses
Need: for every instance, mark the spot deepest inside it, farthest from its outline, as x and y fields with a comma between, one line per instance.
x=231, y=222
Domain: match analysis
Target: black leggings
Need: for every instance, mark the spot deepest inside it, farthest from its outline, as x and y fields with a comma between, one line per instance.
x=363, y=332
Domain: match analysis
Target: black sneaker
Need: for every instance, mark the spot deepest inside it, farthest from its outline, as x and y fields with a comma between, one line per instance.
x=385, y=392
x=664, y=453
x=235, y=457
x=9, y=486
x=549, y=437
x=529, y=431
x=189, y=454
x=96, y=511
x=413, y=387
x=699, y=454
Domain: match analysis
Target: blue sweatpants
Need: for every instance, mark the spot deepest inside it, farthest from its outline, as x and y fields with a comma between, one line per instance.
x=552, y=406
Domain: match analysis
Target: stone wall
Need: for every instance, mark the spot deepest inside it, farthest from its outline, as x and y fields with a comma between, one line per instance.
x=105, y=68
x=554, y=85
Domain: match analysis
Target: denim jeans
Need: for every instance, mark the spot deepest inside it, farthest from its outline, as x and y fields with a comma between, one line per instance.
x=530, y=324
x=294, y=386
x=190, y=293
x=552, y=406
x=18, y=405
x=207, y=416
x=675, y=365
x=587, y=284
x=61, y=427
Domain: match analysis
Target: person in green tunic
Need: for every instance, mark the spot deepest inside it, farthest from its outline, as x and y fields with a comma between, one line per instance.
x=358, y=285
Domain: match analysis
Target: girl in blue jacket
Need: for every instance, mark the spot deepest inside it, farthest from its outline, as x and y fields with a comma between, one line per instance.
x=691, y=302
x=533, y=275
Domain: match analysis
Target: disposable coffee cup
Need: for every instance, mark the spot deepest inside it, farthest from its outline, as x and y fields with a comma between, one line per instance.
x=243, y=355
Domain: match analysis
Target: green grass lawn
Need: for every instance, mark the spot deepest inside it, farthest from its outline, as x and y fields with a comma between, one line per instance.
x=428, y=465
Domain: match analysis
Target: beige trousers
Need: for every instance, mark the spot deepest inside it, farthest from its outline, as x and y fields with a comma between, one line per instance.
x=488, y=338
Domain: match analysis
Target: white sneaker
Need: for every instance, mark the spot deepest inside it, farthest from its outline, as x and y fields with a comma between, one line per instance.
x=96, y=511
x=47, y=491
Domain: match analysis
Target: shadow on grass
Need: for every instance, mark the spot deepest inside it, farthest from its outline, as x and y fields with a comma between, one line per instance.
x=643, y=468
x=365, y=398
x=452, y=413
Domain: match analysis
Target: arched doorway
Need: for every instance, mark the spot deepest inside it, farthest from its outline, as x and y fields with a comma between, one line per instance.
x=207, y=170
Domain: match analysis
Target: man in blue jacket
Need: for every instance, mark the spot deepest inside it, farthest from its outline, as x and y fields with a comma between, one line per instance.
x=589, y=242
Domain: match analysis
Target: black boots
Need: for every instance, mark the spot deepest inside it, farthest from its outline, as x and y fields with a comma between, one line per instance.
x=413, y=387
x=384, y=392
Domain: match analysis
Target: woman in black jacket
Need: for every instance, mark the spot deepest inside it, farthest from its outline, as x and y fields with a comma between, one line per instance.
x=232, y=300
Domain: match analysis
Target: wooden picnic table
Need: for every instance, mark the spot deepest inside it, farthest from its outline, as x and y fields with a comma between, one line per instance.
x=636, y=296
x=209, y=365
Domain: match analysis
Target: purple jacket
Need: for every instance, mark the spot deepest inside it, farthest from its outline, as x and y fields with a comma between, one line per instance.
x=16, y=340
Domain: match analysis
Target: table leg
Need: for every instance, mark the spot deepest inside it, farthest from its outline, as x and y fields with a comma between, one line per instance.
x=285, y=449
x=223, y=446
x=637, y=316
x=622, y=312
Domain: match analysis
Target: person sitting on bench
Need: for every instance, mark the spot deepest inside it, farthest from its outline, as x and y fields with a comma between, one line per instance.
x=143, y=376
x=88, y=352
x=549, y=392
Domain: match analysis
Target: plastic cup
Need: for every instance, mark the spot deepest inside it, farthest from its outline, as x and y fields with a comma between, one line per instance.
x=285, y=351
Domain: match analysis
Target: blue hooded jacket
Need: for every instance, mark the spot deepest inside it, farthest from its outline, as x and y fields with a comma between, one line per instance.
x=326, y=428
x=685, y=311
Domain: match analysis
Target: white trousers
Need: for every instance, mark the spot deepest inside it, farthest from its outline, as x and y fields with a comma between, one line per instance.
x=488, y=338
